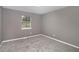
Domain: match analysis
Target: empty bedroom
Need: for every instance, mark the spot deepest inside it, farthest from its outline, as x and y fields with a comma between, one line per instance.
x=39, y=28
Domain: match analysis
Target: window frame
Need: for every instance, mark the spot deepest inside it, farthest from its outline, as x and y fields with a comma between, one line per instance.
x=25, y=28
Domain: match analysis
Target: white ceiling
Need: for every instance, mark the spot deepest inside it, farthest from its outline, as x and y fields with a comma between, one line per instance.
x=35, y=9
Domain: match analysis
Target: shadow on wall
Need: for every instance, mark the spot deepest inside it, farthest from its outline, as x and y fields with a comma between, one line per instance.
x=64, y=24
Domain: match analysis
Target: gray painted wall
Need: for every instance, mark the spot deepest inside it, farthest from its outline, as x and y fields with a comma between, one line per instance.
x=12, y=24
x=64, y=24
x=0, y=24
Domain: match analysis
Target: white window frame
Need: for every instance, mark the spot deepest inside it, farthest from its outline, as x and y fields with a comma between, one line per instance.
x=26, y=28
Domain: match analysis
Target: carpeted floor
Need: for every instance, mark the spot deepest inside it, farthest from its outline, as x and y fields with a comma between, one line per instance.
x=36, y=44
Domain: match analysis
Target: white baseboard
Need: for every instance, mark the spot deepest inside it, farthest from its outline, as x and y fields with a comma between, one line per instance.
x=20, y=38
x=61, y=41
x=44, y=36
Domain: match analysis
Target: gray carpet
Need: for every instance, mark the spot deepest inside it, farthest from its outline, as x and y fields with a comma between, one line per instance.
x=36, y=44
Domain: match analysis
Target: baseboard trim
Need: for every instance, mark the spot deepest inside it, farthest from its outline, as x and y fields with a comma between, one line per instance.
x=61, y=41
x=20, y=38
x=44, y=36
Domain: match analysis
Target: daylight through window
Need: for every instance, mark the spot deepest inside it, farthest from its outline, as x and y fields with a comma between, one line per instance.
x=26, y=22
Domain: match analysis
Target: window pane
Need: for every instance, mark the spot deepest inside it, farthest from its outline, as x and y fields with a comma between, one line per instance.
x=26, y=22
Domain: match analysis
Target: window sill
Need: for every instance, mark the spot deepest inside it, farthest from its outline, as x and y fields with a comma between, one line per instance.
x=26, y=28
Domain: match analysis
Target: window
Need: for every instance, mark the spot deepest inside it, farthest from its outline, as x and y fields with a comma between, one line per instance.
x=26, y=22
